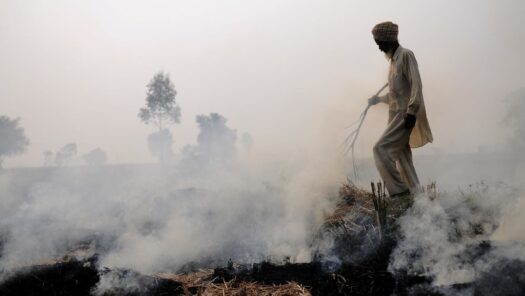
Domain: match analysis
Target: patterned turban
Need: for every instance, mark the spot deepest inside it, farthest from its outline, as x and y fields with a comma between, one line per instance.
x=386, y=31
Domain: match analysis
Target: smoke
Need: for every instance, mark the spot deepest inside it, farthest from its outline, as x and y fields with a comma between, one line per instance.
x=452, y=238
x=151, y=218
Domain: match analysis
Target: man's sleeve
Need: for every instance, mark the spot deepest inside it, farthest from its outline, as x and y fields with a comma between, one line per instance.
x=383, y=99
x=411, y=71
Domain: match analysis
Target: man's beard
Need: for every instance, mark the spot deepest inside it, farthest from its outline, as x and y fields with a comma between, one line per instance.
x=389, y=55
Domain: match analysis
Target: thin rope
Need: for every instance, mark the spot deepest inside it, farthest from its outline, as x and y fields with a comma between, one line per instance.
x=352, y=137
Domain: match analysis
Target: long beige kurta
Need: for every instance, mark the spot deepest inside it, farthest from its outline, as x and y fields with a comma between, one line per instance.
x=392, y=152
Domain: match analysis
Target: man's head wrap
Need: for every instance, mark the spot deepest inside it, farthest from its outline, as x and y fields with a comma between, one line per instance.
x=386, y=31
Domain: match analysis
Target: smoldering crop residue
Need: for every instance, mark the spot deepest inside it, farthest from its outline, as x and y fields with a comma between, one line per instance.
x=153, y=218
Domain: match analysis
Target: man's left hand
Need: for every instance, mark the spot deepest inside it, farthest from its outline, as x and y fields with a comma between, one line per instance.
x=410, y=121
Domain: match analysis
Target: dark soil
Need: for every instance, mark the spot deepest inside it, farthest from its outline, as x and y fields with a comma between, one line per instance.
x=369, y=277
x=69, y=278
x=77, y=278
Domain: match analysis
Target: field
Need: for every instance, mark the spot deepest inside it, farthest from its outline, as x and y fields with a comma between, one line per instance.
x=81, y=231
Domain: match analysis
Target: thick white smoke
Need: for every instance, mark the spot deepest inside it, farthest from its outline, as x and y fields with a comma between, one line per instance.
x=451, y=238
x=158, y=218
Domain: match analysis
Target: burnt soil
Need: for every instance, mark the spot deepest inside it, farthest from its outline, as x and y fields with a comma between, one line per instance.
x=81, y=278
x=367, y=278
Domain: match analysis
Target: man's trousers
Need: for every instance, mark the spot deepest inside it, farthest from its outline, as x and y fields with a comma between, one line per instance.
x=393, y=156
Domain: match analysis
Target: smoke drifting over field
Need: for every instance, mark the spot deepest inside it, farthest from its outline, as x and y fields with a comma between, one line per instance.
x=290, y=76
x=152, y=219
x=444, y=238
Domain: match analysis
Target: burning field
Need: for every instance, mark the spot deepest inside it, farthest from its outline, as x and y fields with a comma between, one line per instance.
x=437, y=243
x=234, y=147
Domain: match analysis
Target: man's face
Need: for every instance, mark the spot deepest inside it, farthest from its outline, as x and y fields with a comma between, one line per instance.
x=387, y=48
x=384, y=46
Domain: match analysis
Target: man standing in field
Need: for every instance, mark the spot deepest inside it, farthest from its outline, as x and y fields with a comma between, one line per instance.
x=407, y=121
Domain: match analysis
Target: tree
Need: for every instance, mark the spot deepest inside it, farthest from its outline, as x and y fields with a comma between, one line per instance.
x=65, y=154
x=49, y=158
x=160, y=102
x=515, y=118
x=159, y=144
x=95, y=157
x=12, y=138
x=161, y=109
x=215, y=139
x=215, y=143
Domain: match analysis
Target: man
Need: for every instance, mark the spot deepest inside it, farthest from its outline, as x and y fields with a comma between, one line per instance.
x=407, y=121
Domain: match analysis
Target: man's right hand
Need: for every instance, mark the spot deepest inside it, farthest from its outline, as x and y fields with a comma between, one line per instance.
x=373, y=100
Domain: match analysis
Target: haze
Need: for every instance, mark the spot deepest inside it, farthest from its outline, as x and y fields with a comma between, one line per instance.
x=291, y=73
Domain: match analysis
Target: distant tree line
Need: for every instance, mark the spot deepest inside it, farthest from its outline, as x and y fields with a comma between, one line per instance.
x=68, y=154
x=215, y=141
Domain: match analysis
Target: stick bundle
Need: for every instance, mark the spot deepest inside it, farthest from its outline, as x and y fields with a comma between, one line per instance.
x=352, y=137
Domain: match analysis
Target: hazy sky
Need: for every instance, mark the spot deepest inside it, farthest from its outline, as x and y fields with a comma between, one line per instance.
x=285, y=71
